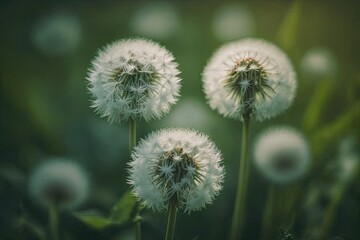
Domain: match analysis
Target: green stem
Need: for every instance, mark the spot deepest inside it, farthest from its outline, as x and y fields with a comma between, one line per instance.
x=279, y=211
x=132, y=144
x=138, y=225
x=171, y=222
x=330, y=212
x=132, y=134
x=54, y=222
x=238, y=215
x=268, y=214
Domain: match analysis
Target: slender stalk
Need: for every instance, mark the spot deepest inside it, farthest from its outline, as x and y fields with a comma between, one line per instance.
x=279, y=211
x=132, y=134
x=268, y=215
x=138, y=224
x=238, y=215
x=132, y=144
x=330, y=213
x=171, y=222
x=54, y=222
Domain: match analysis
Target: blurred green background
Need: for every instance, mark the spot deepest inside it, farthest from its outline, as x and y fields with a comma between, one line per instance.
x=45, y=51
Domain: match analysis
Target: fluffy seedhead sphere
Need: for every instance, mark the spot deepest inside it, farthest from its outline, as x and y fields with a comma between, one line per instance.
x=233, y=21
x=282, y=154
x=133, y=78
x=157, y=20
x=59, y=181
x=319, y=63
x=176, y=166
x=249, y=77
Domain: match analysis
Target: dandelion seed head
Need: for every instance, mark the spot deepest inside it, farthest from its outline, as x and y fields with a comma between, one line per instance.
x=233, y=21
x=59, y=181
x=249, y=77
x=133, y=78
x=158, y=20
x=56, y=34
x=180, y=166
x=319, y=63
x=282, y=154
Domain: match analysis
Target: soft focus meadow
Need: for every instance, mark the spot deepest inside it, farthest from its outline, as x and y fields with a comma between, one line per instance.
x=46, y=51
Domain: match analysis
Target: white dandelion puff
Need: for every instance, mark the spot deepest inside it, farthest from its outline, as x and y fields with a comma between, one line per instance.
x=57, y=34
x=59, y=181
x=282, y=154
x=249, y=77
x=177, y=166
x=158, y=20
x=319, y=63
x=133, y=79
x=232, y=22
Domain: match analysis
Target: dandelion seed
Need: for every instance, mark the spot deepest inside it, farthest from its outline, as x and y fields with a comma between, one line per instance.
x=133, y=79
x=249, y=77
x=179, y=166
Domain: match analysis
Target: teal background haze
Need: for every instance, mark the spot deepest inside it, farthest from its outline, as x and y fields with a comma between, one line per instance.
x=45, y=110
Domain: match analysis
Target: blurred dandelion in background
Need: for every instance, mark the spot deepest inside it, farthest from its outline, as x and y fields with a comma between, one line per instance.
x=59, y=181
x=282, y=154
x=319, y=63
x=58, y=184
x=348, y=159
x=158, y=20
x=56, y=34
x=232, y=22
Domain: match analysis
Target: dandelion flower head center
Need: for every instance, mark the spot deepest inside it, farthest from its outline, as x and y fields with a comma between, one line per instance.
x=57, y=193
x=284, y=162
x=282, y=154
x=133, y=80
x=247, y=81
x=59, y=181
x=176, y=171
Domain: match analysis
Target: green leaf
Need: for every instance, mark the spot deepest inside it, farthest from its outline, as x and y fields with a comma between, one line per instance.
x=287, y=33
x=317, y=103
x=125, y=208
x=96, y=222
x=332, y=132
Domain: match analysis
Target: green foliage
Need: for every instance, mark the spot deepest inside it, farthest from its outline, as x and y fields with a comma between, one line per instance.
x=96, y=222
x=325, y=136
x=287, y=32
x=123, y=211
x=313, y=114
x=125, y=208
